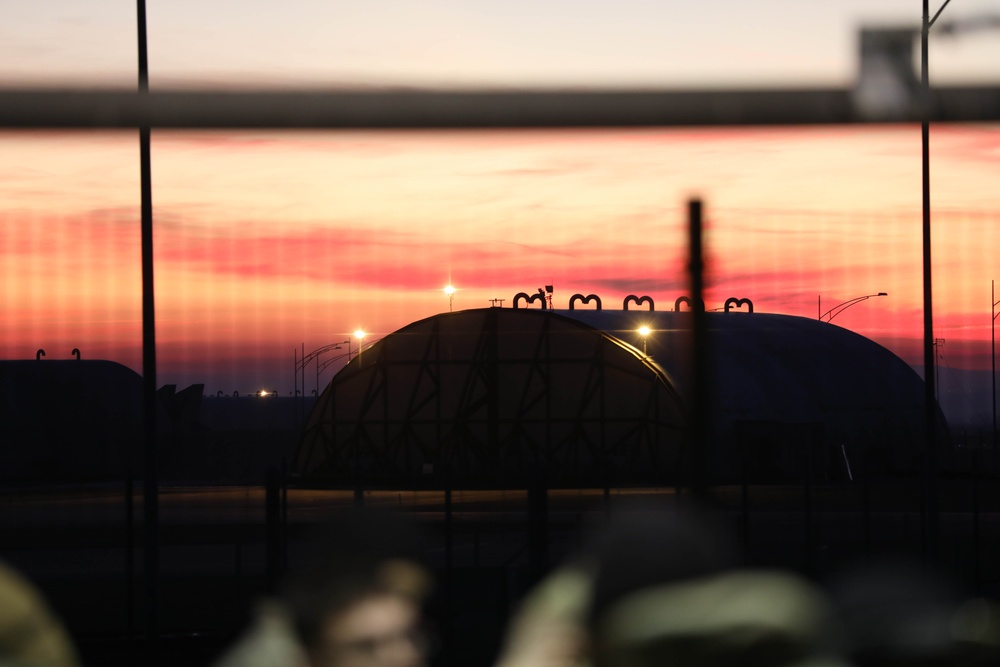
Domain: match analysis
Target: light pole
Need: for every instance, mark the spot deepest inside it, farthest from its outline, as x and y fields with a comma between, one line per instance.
x=332, y=360
x=303, y=362
x=841, y=307
x=931, y=528
x=644, y=332
x=360, y=335
x=336, y=346
x=450, y=291
x=929, y=517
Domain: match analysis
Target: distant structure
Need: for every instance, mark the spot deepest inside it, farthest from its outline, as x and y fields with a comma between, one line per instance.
x=494, y=396
x=498, y=396
x=68, y=420
x=77, y=421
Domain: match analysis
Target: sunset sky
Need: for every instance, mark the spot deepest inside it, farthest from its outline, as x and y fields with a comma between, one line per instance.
x=269, y=241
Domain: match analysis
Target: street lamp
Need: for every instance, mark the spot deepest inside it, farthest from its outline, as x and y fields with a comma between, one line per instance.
x=360, y=335
x=302, y=363
x=450, y=291
x=644, y=332
x=336, y=346
x=841, y=307
x=331, y=361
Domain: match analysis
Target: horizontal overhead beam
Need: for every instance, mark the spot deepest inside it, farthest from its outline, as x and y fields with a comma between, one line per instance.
x=428, y=109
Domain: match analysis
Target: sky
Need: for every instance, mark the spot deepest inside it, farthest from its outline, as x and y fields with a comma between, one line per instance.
x=272, y=242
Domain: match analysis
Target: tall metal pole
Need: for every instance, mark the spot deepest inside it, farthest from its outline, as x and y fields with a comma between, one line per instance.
x=993, y=356
x=698, y=441
x=151, y=509
x=930, y=404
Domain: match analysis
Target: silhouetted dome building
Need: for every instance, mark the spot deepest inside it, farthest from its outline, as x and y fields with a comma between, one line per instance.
x=779, y=383
x=68, y=420
x=491, y=396
x=500, y=396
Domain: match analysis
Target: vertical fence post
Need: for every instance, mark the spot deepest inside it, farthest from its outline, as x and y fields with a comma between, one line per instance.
x=866, y=505
x=284, y=514
x=272, y=513
x=538, y=546
x=449, y=580
x=930, y=519
x=807, y=506
x=698, y=418
x=129, y=564
x=745, y=509
x=976, y=538
x=359, y=482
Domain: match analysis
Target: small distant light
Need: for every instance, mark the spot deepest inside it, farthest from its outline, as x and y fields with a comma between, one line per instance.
x=644, y=331
x=262, y=393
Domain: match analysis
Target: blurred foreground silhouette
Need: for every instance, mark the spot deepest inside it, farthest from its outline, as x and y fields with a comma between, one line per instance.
x=357, y=604
x=30, y=635
x=661, y=587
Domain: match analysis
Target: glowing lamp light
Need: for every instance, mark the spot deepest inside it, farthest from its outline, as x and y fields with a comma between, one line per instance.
x=644, y=332
x=360, y=334
x=450, y=291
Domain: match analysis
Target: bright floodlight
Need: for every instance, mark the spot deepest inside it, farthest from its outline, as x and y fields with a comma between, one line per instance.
x=644, y=332
x=360, y=334
x=449, y=290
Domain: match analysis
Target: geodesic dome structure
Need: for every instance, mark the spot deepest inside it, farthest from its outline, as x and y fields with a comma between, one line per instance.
x=494, y=396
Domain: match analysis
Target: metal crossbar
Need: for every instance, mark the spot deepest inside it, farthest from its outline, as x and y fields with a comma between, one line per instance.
x=75, y=109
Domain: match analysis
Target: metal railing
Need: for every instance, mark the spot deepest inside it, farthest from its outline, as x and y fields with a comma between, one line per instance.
x=485, y=109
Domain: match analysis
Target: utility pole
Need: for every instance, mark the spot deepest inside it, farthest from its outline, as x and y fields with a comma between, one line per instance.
x=150, y=486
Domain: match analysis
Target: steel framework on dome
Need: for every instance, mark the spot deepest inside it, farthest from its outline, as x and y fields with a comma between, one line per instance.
x=495, y=397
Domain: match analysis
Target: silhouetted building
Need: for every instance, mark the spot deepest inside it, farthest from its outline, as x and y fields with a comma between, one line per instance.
x=73, y=421
x=68, y=420
x=500, y=396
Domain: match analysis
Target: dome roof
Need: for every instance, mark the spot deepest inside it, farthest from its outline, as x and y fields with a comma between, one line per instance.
x=783, y=379
x=494, y=396
x=498, y=395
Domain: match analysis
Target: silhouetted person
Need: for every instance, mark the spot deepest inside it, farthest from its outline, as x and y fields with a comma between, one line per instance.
x=554, y=627
x=359, y=604
x=660, y=588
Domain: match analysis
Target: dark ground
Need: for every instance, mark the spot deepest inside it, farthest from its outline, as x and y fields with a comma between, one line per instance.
x=487, y=550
